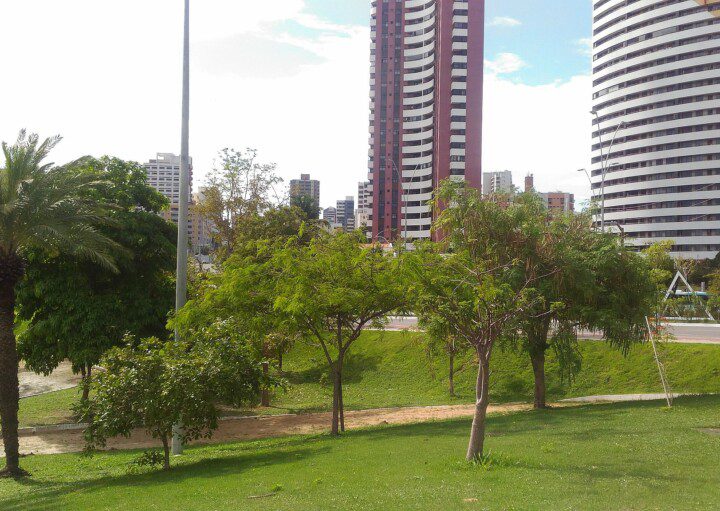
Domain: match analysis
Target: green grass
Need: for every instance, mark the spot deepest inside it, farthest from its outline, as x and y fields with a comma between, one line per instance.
x=608, y=457
x=51, y=408
x=391, y=369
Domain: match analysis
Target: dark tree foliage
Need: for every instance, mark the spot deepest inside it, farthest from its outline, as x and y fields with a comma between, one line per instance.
x=76, y=309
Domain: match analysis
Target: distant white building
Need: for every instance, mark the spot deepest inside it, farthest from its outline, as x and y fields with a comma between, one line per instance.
x=163, y=174
x=497, y=182
x=346, y=213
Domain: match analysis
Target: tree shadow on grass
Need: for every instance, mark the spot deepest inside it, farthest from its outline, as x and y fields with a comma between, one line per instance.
x=356, y=364
x=44, y=496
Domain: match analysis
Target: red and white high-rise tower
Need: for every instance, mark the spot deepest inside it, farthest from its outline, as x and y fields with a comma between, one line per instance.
x=426, y=81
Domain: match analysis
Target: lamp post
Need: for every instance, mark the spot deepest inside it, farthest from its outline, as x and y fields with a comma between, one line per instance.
x=182, y=239
x=604, y=160
x=403, y=195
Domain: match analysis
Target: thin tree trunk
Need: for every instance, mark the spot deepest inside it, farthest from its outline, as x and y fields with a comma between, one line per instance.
x=280, y=360
x=335, y=430
x=86, y=382
x=452, y=374
x=538, y=364
x=265, y=393
x=538, y=339
x=9, y=384
x=341, y=404
x=166, y=452
x=482, y=399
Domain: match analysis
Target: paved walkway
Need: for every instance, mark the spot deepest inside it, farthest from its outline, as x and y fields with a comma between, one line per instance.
x=32, y=384
x=620, y=398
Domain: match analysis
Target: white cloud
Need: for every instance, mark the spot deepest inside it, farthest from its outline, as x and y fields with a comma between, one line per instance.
x=584, y=46
x=505, y=63
x=108, y=79
x=543, y=130
x=505, y=21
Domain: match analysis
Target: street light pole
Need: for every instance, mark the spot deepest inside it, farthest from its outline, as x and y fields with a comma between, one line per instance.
x=604, y=159
x=182, y=239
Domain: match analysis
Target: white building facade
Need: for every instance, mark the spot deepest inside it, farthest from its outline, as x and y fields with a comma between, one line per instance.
x=656, y=85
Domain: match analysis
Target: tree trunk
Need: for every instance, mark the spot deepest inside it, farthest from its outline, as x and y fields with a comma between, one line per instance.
x=452, y=374
x=166, y=452
x=482, y=399
x=9, y=384
x=335, y=430
x=538, y=340
x=538, y=364
x=86, y=381
x=280, y=360
x=341, y=404
x=265, y=393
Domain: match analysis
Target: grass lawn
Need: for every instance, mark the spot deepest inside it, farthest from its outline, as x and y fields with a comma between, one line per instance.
x=386, y=369
x=610, y=457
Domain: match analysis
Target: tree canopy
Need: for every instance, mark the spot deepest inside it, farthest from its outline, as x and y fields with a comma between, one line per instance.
x=76, y=309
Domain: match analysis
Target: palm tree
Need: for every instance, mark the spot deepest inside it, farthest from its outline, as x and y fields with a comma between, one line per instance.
x=41, y=207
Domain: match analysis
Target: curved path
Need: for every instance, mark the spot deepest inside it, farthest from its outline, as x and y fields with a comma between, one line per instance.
x=54, y=440
x=69, y=438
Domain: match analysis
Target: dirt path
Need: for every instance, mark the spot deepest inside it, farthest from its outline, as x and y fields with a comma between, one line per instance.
x=250, y=428
x=32, y=384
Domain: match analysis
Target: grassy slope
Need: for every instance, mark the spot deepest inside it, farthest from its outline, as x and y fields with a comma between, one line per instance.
x=609, y=457
x=391, y=369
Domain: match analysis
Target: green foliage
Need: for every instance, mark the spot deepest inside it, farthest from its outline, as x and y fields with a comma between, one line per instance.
x=238, y=191
x=330, y=290
x=42, y=207
x=50, y=208
x=155, y=385
x=307, y=205
x=393, y=369
x=76, y=309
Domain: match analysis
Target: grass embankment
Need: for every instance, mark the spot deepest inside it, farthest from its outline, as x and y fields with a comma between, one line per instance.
x=602, y=457
x=392, y=369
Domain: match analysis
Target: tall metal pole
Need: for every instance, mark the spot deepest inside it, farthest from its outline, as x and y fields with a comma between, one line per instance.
x=604, y=164
x=182, y=239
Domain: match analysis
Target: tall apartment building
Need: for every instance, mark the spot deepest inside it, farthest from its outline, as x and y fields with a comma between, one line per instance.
x=305, y=187
x=363, y=212
x=345, y=215
x=556, y=202
x=656, y=83
x=163, y=174
x=497, y=182
x=330, y=215
x=426, y=81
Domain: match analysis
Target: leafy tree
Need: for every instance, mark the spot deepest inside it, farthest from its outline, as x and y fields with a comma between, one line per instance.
x=240, y=188
x=155, y=385
x=43, y=207
x=576, y=270
x=476, y=286
x=77, y=310
x=309, y=207
x=440, y=338
x=332, y=289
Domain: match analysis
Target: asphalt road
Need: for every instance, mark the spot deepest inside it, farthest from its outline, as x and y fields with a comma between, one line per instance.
x=683, y=332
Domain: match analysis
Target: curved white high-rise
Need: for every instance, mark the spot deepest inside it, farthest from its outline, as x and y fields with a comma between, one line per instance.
x=656, y=82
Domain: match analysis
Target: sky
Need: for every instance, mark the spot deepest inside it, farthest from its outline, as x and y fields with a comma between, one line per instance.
x=290, y=80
